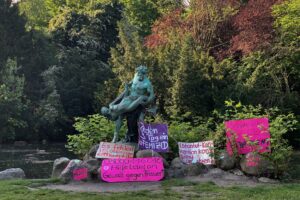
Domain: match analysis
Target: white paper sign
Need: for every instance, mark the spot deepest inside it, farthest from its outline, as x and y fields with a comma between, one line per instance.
x=114, y=150
x=201, y=152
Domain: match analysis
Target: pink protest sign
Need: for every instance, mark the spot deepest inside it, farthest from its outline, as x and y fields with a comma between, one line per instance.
x=132, y=169
x=80, y=174
x=253, y=130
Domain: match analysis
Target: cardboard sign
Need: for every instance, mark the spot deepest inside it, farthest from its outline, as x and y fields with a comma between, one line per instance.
x=113, y=150
x=80, y=174
x=154, y=137
x=254, y=130
x=198, y=152
x=132, y=169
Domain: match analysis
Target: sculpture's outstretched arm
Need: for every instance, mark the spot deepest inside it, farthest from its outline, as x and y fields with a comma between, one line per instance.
x=118, y=99
x=122, y=95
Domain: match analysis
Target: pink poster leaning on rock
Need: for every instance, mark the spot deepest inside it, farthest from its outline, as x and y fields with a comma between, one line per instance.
x=132, y=169
x=246, y=131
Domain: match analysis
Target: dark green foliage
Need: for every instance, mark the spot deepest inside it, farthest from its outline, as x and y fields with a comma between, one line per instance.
x=12, y=31
x=141, y=14
x=92, y=130
x=12, y=101
x=192, y=91
x=83, y=45
x=36, y=12
x=269, y=79
x=61, y=72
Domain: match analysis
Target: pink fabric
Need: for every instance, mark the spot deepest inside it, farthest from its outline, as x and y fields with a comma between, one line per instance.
x=256, y=129
x=132, y=169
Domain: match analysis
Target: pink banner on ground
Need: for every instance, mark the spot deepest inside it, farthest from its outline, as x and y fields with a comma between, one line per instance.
x=132, y=169
x=254, y=130
x=80, y=174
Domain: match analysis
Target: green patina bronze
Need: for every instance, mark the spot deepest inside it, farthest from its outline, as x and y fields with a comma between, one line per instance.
x=138, y=94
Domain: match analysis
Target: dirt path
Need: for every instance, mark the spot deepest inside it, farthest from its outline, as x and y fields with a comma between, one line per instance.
x=105, y=187
x=219, y=177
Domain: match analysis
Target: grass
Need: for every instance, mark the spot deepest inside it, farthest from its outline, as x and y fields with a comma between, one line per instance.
x=172, y=189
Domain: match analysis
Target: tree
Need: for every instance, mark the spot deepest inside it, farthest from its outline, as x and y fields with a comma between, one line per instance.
x=270, y=77
x=50, y=112
x=203, y=20
x=32, y=52
x=192, y=90
x=12, y=31
x=141, y=14
x=83, y=41
x=12, y=101
x=253, y=26
x=37, y=14
x=287, y=27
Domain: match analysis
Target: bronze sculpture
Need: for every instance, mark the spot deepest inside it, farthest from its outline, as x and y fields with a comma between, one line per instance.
x=138, y=94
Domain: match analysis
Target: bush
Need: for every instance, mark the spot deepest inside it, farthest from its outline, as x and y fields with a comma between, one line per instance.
x=186, y=132
x=280, y=125
x=92, y=130
x=96, y=128
x=183, y=129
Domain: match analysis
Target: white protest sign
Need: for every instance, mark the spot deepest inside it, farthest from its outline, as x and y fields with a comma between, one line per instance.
x=114, y=150
x=197, y=152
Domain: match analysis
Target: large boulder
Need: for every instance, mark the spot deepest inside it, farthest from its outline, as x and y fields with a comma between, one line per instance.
x=92, y=152
x=256, y=165
x=59, y=165
x=178, y=169
x=68, y=173
x=93, y=166
x=225, y=161
x=13, y=173
x=150, y=153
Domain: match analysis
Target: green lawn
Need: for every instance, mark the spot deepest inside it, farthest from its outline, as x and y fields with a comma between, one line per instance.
x=174, y=189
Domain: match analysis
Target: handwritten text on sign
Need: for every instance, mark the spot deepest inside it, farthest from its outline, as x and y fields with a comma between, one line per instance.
x=132, y=169
x=80, y=174
x=255, y=130
x=113, y=150
x=198, y=152
x=153, y=136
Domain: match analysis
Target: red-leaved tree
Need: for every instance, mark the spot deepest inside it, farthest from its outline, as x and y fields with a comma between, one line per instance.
x=254, y=27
